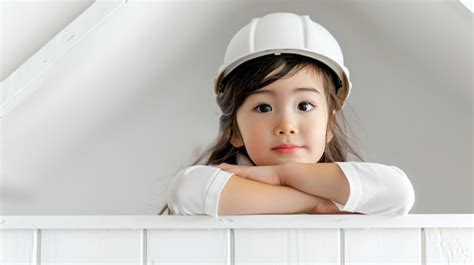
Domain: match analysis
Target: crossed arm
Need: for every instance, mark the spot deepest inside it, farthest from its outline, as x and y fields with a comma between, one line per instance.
x=296, y=194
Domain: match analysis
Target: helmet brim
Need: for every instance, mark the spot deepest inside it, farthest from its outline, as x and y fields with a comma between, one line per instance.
x=341, y=72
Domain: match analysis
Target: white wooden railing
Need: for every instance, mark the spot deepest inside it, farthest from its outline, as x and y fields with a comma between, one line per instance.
x=252, y=239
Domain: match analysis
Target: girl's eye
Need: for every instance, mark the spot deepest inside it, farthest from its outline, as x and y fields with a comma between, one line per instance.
x=259, y=107
x=266, y=108
x=306, y=104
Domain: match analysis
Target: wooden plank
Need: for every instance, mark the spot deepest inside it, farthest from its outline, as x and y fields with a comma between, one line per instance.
x=382, y=246
x=188, y=246
x=287, y=246
x=17, y=247
x=252, y=246
x=238, y=221
x=90, y=247
x=449, y=245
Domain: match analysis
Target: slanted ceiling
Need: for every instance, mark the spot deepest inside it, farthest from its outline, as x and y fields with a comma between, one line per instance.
x=28, y=25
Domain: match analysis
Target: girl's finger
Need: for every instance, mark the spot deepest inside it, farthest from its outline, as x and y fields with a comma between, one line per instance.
x=222, y=165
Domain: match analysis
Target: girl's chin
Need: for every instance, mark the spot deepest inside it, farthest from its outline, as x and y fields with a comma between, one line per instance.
x=282, y=160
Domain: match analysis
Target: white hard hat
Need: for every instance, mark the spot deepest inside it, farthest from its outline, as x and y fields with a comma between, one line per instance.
x=279, y=33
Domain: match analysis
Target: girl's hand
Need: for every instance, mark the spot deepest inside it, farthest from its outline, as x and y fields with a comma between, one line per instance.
x=264, y=174
x=325, y=206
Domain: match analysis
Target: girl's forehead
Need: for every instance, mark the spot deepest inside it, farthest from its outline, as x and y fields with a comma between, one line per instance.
x=304, y=80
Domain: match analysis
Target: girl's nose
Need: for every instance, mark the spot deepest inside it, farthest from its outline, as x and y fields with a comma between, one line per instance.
x=285, y=130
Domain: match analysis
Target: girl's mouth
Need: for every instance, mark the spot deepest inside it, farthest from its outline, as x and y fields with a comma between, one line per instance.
x=287, y=149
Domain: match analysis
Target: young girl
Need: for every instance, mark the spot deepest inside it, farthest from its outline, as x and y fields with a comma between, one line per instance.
x=281, y=148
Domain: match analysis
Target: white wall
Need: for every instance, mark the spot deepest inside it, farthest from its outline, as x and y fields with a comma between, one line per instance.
x=132, y=103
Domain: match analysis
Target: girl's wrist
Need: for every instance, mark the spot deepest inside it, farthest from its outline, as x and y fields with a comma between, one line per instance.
x=284, y=171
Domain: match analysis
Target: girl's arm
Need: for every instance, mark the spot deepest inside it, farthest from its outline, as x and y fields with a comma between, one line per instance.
x=368, y=188
x=244, y=196
x=199, y=189
x=326, y=180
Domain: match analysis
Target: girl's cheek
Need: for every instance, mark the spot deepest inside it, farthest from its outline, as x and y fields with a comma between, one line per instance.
x=255, y=133
x=258, y=135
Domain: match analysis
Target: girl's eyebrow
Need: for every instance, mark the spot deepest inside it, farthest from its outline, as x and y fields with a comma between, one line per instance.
x=299, y=89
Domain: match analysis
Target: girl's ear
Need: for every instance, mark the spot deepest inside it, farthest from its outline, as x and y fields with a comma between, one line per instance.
x=236, y=140
x=329, y=138
x=330, y=133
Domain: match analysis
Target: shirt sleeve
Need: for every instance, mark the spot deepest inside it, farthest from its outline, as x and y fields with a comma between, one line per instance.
x=377, y=189
x=196, y=190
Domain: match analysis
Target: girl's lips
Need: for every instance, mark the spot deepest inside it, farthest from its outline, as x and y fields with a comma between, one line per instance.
x=287, y=150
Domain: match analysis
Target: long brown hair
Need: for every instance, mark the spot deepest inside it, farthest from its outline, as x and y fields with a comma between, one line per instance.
x=258, y=73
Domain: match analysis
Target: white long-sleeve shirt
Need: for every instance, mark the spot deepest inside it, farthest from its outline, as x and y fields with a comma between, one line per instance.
x=375, y=189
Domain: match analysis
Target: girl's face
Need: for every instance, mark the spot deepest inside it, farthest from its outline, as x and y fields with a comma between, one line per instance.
x=292, y=110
